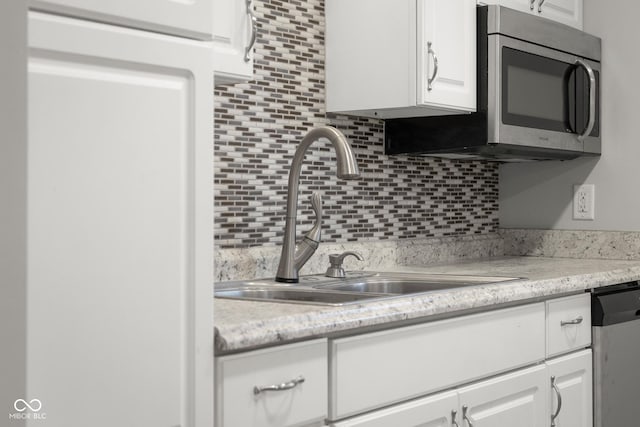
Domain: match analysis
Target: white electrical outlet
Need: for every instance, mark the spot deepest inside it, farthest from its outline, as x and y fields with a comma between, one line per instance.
x=584, y=201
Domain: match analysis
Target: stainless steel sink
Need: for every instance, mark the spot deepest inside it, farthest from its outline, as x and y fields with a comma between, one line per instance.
x=398, y=283
x=303, y=295
x=359, y=287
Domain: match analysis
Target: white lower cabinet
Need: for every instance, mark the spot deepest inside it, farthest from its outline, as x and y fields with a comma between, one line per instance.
x=483, y=370
x=516, y=399
x=283, y=386
x=556, y=393
x=572, y=387
x=488, y=369
x=439, y=410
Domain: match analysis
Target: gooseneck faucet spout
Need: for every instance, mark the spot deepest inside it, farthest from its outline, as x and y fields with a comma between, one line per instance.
x=294, y=256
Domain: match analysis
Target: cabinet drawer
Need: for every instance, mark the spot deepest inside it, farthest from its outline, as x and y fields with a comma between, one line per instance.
x=237, y=376
x=568, y=324
x=373, y=370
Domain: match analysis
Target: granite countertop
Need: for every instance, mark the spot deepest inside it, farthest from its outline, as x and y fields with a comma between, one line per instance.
x=243, y=325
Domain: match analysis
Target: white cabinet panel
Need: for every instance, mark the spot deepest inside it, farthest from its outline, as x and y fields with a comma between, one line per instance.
x=301, y=367
x=409, y=362
x=572, y=376
x=235, y=31
x=517, y=399
x=190, y=18
x=119, y=250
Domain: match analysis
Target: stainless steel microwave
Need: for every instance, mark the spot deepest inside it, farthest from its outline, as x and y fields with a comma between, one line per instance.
x=538, y=96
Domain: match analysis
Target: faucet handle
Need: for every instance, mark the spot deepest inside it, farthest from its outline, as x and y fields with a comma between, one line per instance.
x=335, y=260
x=311, y=239
x=316, y=204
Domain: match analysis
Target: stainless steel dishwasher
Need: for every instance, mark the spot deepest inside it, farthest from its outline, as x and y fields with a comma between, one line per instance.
x=615, y=313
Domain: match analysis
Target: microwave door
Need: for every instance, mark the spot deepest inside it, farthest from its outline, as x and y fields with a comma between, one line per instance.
x=533, y=100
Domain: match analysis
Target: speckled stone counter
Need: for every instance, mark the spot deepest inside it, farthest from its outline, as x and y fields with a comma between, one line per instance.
x=243, y=325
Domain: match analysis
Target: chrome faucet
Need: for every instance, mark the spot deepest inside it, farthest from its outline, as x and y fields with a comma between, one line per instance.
x=294, y=256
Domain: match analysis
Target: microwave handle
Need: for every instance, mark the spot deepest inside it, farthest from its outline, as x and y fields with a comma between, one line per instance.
x=592, y=99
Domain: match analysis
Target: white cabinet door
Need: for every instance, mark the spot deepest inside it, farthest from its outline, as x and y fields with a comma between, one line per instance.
x=517, y=399
x=120, y=226
x=571, y=384
x=447, y=54
x=190, y=18
x=568, y=12
x=235, y=32
x=439, y=410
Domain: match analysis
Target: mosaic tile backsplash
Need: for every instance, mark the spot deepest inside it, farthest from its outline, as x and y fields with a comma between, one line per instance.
x=259, y=124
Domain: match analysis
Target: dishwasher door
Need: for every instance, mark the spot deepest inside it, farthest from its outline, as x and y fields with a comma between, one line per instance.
x=616, y=355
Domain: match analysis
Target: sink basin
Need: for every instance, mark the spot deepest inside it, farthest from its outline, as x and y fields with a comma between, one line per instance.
x=303, y=295
x=412, y=283
x=365, y=286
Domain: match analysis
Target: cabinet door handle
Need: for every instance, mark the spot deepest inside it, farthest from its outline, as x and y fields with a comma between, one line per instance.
x=254, y=30
x=465, y=417
x=279, y=387
x=531, y=4
x=575, y=321
x=431, y=79
x=557, y=391
x=454, y=422
x=539, y=6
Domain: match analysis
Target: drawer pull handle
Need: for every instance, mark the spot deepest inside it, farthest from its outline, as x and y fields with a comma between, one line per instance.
x=575, y=321
x=454, y=422
x=279, y=387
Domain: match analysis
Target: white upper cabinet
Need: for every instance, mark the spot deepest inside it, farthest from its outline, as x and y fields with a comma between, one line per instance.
x=188, y=18
x=446, y=54
x=235, y=32
x=400, y=58
x=568, y=12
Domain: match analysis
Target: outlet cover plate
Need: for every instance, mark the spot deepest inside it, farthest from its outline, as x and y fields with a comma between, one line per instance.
x=584, y=202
